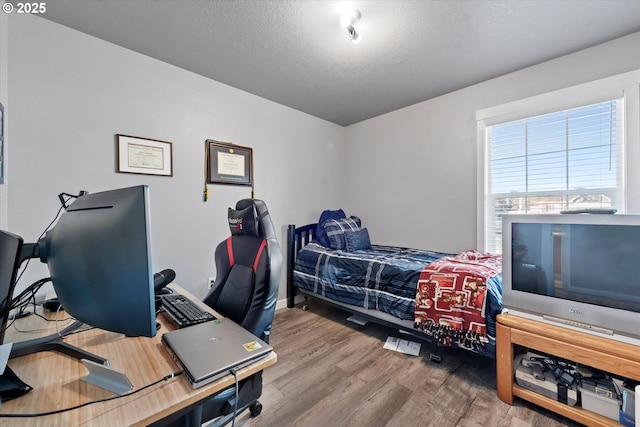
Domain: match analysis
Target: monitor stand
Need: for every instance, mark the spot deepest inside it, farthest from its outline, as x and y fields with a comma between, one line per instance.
x=54, y=342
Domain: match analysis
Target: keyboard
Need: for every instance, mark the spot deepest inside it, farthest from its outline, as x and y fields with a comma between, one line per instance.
x=183, y=311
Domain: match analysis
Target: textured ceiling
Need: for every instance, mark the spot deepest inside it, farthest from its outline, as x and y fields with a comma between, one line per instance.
x=295, y=52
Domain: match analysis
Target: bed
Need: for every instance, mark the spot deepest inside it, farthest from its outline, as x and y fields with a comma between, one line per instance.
x=441, y=298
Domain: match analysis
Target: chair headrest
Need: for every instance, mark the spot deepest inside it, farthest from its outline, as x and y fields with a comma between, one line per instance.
x=251, y=217
x=243, y=221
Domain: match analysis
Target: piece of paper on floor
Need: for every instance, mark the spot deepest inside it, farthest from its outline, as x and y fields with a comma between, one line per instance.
x=357, y=319
x=403, y=346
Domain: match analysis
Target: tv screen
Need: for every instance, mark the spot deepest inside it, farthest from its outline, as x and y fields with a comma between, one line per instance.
x=577, y=269
x=593, y=263
x=599, y=264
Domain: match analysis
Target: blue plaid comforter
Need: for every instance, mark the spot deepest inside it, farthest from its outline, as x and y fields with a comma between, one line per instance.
x=382, y=278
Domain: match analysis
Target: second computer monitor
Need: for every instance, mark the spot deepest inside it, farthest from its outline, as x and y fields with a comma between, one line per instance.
x=10, y=247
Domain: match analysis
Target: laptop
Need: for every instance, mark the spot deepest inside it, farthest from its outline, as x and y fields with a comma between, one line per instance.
x=207, y=351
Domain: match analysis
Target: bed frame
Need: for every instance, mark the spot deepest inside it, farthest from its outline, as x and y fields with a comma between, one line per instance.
x=297, y=238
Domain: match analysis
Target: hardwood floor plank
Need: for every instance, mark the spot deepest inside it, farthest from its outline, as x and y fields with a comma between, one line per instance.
x=417, y=411
x=332, y=372
x=359, y=387
x=485, y=410
x=381, y=407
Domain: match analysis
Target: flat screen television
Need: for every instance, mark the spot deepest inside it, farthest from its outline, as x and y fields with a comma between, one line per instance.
x=578, y=270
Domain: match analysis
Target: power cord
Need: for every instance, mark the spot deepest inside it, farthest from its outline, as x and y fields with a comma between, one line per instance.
x=235, y=403
x=47, y=228
x=34, y=287
x=63, y=202
x=22, y=300
x=106, y=399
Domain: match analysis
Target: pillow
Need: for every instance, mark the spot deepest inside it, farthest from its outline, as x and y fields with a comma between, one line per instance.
x=320, y=235
x=244, y=221
x=357, y=240
x=335, y=229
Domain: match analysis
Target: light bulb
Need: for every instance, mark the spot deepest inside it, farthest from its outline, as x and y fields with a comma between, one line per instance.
x=350, y=18
x=348, y=21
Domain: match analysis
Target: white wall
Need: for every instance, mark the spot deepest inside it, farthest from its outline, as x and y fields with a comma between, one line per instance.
x=4, y=45
x=412, y=173
x=72, y=93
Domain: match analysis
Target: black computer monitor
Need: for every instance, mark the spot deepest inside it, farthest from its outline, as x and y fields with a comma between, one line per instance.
x=10, y=248
x=99, y=259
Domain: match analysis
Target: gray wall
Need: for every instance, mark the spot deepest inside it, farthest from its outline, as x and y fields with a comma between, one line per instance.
x=71, y=93
x=412, y=173
x=4, y=43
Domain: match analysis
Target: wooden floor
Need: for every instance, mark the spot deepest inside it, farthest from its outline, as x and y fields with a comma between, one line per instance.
x=332, y=372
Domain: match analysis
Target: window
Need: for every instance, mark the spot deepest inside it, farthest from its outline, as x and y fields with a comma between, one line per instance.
x=568, y=159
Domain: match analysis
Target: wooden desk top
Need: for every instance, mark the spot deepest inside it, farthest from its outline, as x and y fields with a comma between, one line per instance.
x=57, y=384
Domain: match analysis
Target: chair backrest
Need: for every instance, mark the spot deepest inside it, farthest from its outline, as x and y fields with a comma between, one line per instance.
x=248, y=266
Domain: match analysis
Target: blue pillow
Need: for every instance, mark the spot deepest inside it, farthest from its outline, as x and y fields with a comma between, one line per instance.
x=320, y=235
x=335, y=229
x=357, y=240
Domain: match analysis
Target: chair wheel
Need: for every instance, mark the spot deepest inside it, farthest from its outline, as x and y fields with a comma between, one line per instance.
x=255, y=409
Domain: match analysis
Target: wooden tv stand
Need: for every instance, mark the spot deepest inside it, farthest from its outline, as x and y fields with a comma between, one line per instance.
x=615, y=357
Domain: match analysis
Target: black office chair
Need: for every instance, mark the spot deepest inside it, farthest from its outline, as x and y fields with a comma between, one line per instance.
x=248, y=268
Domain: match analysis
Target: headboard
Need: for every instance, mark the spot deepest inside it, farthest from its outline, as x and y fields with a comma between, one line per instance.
x=297, y=238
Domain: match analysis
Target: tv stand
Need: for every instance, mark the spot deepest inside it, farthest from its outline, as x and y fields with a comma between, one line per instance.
x=615, y=357
x=54, y=342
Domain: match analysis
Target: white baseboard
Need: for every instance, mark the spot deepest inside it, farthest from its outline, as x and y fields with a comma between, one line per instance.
x=283, y=302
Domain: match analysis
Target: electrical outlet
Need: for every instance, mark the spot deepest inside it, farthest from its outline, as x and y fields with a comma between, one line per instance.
x=210, y=283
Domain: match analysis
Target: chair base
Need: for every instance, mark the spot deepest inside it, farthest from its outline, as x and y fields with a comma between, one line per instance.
x=255, y=408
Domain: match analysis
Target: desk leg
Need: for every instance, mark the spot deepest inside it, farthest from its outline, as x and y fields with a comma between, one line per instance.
x=504, y=363
x=194, y=417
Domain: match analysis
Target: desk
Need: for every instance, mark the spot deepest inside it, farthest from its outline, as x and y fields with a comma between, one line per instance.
x=56, y=379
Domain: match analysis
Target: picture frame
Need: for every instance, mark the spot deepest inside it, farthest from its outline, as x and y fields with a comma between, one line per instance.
x=228, y=163
x=144, y=156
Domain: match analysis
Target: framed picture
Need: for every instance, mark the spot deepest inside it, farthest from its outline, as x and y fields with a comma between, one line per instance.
x=144, y=156
x=229, y=163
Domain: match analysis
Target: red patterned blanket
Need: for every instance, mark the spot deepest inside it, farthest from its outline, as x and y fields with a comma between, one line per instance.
x=450, y=299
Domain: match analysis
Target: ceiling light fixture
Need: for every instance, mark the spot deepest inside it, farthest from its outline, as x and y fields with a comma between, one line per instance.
x=348, y=21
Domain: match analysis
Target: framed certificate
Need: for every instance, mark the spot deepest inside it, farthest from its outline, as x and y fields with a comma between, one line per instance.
x=144, y=156
x=229, y=163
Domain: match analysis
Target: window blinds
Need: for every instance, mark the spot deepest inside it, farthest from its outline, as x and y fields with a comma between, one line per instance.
x=548, y=163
